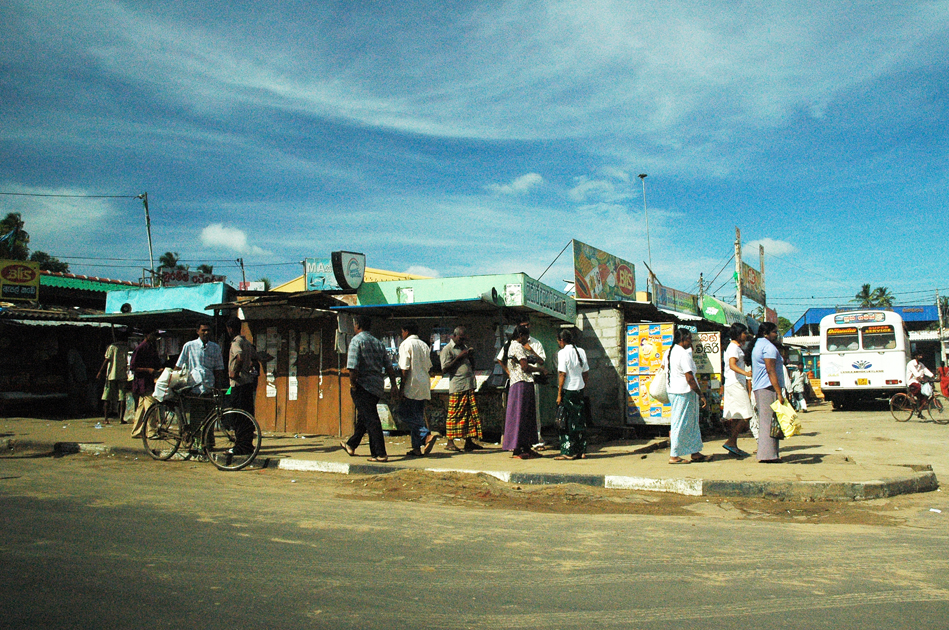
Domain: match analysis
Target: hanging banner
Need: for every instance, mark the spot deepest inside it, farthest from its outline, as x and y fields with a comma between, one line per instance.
x=19, y=280
x=752, y=284
x=674, y=300
x=602, y=276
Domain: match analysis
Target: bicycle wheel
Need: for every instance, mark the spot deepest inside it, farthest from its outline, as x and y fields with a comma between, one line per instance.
x=162, y=431
x=939, y=409
x=901, y=407
x=231, y=439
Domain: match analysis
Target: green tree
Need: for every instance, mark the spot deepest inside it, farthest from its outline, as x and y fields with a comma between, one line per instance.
x=170, y=260
x=883, y=297
x=14, y=245
x=784, y=325
x=266, y=282
x=206, y=268
x=14, y=240
x=864, y=298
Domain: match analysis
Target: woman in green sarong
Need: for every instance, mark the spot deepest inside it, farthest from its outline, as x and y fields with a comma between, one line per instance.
x=572, y=368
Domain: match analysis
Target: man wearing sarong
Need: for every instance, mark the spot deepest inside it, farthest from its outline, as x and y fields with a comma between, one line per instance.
x=463, y=421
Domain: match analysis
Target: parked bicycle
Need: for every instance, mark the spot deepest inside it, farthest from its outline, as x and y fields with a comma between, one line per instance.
x=903, y=406
x=223, y=436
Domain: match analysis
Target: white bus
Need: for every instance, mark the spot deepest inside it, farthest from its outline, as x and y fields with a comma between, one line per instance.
x=863, y=355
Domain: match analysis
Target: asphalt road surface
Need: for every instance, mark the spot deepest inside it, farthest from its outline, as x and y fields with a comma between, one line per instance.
x=103, y=543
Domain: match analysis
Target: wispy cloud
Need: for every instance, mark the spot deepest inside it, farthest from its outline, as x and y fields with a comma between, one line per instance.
x=771, y=246
x=520, y=186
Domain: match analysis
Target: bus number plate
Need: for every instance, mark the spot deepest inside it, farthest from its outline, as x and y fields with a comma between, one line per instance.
x=863, y=381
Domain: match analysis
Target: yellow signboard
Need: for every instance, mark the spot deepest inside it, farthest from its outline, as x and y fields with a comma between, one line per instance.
x=19, y=280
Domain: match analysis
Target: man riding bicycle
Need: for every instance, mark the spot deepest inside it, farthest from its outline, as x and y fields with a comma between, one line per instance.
x=918, y=383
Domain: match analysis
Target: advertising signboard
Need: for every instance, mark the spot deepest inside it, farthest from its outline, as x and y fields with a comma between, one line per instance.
x=646, y=346
x=341, y=272
x=602, y=276
x=752, y=284
x=183, y=277
x=674, y=300
x=19, y=280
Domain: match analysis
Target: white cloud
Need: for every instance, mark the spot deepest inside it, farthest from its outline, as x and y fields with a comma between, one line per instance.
x=520, y=186
x=771, y=246
x=421, y=270
x=218, y=236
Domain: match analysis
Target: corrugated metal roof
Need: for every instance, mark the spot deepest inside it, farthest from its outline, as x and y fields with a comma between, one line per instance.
x=82, y=283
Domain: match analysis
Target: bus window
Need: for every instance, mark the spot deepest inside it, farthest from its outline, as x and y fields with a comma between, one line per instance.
x=842, y=339
x=879, y=338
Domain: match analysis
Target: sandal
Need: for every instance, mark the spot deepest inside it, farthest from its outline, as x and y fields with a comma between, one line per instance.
x=349, y=449
x=699, y=457
x=678, y=460
x=452, y=447
x=566, y=457
x=378, y=459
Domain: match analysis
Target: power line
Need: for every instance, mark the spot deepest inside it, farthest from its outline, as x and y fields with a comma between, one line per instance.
x=70, y=196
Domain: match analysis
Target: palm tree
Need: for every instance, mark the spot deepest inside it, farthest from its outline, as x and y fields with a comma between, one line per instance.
x=205, y=268
x=14, y=241
x=883, y=297
x=170, y=260
x=266, y=282
x=864, y=298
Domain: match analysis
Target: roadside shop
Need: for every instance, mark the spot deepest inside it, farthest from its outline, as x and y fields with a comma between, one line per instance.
x=488, y=306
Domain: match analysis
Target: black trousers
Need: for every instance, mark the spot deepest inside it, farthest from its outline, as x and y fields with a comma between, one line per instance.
x=367, y=421
x=241, y=397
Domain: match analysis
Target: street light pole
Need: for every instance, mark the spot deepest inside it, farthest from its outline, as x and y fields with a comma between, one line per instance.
x=643, y=176
x=148, y=230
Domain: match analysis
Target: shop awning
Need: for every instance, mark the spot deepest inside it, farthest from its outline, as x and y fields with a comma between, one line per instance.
x=449, y=308
x=56, y=323
x=166, y=319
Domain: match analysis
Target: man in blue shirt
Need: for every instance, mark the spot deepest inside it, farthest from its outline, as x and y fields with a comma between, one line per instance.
x=367, y=362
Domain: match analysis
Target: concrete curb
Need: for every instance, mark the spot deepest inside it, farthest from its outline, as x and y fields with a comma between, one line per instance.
x=919, y=478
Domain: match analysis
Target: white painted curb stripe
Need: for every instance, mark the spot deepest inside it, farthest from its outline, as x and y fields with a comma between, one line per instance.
x=688, y=487
x=313, y=466
x=503, y=476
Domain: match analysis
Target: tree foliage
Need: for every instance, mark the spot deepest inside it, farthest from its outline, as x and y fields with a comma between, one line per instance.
x=879, y=297
x=170, y=260
x=15, y=245
x=206, y=268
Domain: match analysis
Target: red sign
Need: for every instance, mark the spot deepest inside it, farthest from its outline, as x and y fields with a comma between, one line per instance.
x=18, y=274
x=626, y=280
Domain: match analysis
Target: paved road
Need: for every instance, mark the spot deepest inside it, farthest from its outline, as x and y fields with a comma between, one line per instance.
x=87, y=543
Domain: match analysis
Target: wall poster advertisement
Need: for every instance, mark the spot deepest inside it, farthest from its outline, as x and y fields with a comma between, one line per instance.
x=752, y=284
x=646, y=346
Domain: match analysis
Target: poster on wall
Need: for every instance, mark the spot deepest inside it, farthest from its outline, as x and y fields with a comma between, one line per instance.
x=602, y=276
x=752, y=284
x=707, y=354
x=646, y=346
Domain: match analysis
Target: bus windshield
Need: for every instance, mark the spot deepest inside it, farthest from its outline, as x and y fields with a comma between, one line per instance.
x=842, y=339
x=879, y=338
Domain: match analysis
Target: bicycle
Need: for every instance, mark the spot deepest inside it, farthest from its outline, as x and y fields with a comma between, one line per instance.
x=902, y=406
x=215, y=436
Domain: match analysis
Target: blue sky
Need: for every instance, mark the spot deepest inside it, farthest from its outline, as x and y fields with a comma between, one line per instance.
x=457, y=138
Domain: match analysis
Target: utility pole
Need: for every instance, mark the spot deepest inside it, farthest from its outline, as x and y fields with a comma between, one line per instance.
x=240, y=261
x=642, y=176
x=738, y=269
x=148, y=231
x=942, y=329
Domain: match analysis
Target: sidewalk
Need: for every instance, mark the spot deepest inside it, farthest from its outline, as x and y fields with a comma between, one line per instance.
x=841, y=456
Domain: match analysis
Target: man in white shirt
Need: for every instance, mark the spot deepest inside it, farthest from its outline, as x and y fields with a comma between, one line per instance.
x=915, y=372
x=415, y=361
x=205, y=362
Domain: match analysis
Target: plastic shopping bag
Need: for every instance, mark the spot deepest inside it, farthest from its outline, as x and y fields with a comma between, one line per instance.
x=658, y=386
x=786, y=415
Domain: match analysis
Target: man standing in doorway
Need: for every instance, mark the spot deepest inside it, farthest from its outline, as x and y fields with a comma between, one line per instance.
x=457, y=360
x=415, y=361
x=367, y=361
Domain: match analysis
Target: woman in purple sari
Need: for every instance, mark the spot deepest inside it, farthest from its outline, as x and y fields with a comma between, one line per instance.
x=520, y=423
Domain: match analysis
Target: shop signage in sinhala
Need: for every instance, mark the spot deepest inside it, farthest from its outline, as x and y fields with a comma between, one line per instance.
x=182, y=277
x=674, y=300
x=19, y=280
x=602, y=276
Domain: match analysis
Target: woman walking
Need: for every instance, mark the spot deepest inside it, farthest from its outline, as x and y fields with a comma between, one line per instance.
x=737, y=410
x=572, y=368
x=686, y=397
x=767, y=381
x=520, y=422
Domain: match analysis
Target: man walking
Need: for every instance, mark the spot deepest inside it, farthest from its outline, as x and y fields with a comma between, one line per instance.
x=367, y=361
x=463, y=421
x=415, y=361
x=115, y=369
